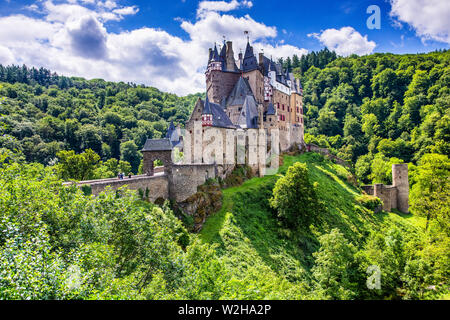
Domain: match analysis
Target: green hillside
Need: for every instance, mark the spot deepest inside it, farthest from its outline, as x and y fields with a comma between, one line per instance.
x=257, y=248
x=374, y=110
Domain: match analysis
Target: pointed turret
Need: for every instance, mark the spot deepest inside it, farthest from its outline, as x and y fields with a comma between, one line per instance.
x=207, y=117
x=248, y=51
x=215, y=54
x=170, y=130
x=249, y=62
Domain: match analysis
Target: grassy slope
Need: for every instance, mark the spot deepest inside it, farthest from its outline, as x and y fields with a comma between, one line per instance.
x=257, y=249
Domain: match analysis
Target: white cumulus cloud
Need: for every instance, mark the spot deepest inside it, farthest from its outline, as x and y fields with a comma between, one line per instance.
x=429, y=18
x=72, y=38
x=221, y=6
x=345, y=41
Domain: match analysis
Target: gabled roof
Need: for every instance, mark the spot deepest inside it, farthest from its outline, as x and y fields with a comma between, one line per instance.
x=206, y=107
x=270, y=110
x=269, y=65
x=249, y=62
x=220, y=118
x=248, y=119
x=240, y=91
x=157, y=145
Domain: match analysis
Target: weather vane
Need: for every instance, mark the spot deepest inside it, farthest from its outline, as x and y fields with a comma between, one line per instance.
x=247, y=34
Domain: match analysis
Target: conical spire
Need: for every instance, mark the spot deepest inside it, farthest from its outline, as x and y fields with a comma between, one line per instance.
x=207, y=107
x=223, y=52
x=248, y=51
x=170, y=130
x=215, y=53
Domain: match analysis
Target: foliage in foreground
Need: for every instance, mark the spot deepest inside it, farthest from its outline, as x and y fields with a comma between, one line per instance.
x=57, y=243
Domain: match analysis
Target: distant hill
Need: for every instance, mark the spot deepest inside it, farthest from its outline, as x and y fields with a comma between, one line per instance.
x=378, y=108
x=43, y=113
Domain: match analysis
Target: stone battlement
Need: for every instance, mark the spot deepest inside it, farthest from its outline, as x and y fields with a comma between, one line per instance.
x=395, y=196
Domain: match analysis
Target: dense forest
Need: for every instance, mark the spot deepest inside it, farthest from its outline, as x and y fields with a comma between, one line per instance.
x=306, y=233
x=379, y=109
x=42, y=114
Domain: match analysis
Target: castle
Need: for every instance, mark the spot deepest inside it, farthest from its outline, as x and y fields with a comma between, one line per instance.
x=248, y=100
x=250, y=93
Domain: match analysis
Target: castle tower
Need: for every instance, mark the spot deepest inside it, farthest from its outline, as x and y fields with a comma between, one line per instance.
x=219, y=80
x=400, y=181
x=230, y=62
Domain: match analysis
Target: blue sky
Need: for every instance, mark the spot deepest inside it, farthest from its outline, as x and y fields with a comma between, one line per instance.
x=164, y=44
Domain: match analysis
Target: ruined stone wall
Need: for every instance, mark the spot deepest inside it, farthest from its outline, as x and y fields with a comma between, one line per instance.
x=368, y=190
x=325, y=152
x=400, y=181
x=387, y=194
x=397, y=195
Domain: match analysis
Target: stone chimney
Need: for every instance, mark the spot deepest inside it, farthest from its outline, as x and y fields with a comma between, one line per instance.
x=261, y=59
x=230, y=56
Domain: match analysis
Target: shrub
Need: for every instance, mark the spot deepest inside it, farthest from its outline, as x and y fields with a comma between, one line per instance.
x=294, y=197
x=369, y=202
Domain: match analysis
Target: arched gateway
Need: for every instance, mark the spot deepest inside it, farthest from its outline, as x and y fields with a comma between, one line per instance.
x=157, y=149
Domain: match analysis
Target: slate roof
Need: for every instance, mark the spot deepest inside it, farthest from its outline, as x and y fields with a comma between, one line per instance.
x=157, y=145
x=269, y=65
x=270, y=110
x=240, y=91
x=207, y=107
x=220, y=118
x=170, y=130
x=248, y=118
x=215, y=55
x=173, y=134
x=249, y=62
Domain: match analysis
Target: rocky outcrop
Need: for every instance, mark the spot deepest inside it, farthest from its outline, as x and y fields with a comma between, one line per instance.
x=201, y=205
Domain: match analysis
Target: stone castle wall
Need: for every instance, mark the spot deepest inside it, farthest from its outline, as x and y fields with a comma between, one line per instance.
x=395, y=196
x=325, y=152
x=387, y=194
x=401, y=182
x=185, y=179
x=158, y=185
